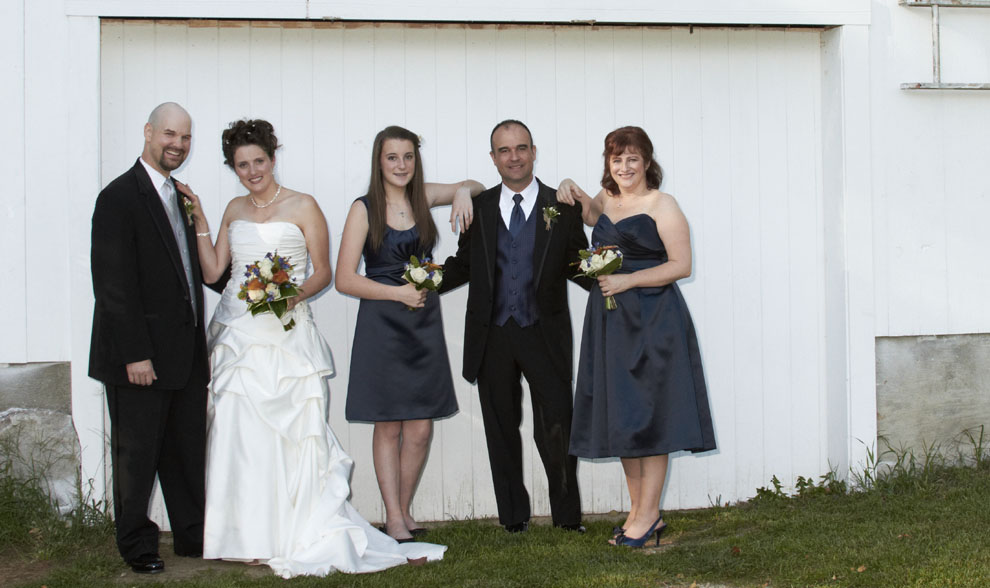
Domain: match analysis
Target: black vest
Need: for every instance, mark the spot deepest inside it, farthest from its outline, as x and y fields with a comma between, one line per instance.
x=515, y=293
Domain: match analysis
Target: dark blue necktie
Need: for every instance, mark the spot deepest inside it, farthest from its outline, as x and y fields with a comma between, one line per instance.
x=517, y=219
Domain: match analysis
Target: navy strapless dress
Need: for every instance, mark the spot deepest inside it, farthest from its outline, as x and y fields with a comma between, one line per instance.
x=399, y=365
x=640, y=386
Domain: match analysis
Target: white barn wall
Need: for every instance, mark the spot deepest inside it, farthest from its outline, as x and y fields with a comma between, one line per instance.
x=924, y=206
x=329, y=87
x=930, y=185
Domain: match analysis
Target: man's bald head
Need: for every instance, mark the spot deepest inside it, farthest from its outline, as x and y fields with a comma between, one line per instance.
x=166, y=110
x=167, y=137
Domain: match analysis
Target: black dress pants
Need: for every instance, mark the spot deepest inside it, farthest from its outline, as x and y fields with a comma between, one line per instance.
x=159, y=432
x=511, y=352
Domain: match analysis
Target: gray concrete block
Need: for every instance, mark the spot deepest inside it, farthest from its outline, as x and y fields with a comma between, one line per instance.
x=932, y=388
x=36, y=385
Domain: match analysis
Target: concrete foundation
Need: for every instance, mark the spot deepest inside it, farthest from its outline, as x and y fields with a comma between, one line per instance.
x=37, y=438
x=931, y=389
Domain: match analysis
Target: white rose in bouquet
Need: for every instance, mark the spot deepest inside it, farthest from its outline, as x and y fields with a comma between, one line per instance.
x=437, y=278
x=418, y=274
x=272, y=290
x=256, y=295
x=265, y=268
x=596, y=262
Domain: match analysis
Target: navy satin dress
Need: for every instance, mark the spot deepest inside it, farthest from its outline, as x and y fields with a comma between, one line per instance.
x=640, y=386
x=399, y=365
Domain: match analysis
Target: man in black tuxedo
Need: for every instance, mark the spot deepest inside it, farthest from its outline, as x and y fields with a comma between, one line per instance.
x=149, y=347
x=517, y=257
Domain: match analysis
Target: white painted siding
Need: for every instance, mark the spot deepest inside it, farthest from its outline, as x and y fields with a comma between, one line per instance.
x=930, y=188
x=735, y=117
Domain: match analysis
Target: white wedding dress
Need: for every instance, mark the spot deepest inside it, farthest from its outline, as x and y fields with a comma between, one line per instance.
x=276, y=476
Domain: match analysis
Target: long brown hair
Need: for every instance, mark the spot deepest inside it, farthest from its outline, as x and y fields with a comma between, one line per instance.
x=415, y=191
x=636, y=139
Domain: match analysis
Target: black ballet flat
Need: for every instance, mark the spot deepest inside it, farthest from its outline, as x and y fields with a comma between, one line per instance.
x=419, y=531
x=406, y=540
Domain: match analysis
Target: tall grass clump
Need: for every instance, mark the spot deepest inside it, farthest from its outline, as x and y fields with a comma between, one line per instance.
x=32, y=523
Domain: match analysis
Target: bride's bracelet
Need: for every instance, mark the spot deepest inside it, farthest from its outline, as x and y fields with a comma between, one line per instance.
x=206, y=234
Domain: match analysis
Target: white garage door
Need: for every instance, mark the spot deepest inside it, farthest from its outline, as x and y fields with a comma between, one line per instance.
x=735, y=116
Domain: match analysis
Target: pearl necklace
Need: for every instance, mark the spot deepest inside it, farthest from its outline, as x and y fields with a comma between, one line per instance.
x=270, y=202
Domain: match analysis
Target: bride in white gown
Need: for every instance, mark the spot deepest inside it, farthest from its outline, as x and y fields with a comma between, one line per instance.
x=276, y=476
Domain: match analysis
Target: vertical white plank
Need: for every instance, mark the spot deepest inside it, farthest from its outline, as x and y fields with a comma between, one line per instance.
x=171, y=81
x=419, y=102
x=968, y=121
x=296, y=133
x=714, y=243
x=360, y=125
x=482, y=112
x=330, y=191
x=570, y=141
x=46, y=147
x=806, y=246
x=599, y=76
x=453, y=444
x=233, y=100
x=686, y=84
x=774, y=267
x=745, y=447
x=509, y=63
x=265, y=71
x=389, y=76
x=658, y=116
x=13, y=324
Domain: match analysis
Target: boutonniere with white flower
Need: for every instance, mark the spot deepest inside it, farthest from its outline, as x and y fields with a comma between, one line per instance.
x=550, y=214
x=190, y=209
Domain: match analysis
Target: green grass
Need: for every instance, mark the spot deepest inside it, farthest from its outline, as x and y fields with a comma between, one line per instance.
x=925, y=525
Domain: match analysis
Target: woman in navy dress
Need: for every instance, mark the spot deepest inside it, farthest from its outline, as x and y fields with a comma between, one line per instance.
x=640, y=391
x=400, y=375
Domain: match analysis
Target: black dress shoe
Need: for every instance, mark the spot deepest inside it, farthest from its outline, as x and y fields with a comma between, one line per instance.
x=576, y=527
x=518, y=527
x=147, y=564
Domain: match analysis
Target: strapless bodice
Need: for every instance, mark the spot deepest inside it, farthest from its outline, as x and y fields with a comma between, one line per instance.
x=636, y=236
x=249, y=243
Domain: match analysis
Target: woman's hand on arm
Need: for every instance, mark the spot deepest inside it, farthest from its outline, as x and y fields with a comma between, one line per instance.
x=459, y=196
x=349, y=257
x=213, y=259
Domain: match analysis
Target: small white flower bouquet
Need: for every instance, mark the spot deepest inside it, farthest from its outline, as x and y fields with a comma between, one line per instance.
x=600, y=261
x=269, y=286
x=423, y=274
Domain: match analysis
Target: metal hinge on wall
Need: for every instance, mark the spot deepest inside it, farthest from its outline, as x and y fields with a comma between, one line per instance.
x=937, y=83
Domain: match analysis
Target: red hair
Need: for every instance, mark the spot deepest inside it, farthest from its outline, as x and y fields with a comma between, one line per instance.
x=636, y=139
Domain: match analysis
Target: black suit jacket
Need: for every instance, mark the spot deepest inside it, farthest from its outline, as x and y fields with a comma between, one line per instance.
x=553, y=253
x=142, y=306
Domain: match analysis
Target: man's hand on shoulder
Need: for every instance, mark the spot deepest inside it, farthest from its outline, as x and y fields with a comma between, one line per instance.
x=141, y=373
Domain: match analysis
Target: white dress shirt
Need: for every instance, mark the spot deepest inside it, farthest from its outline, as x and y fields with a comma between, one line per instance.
x=529, y=194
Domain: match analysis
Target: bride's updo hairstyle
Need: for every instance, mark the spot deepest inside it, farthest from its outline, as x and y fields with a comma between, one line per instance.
x=415, y=191
x=249, y=132
x=636, y=139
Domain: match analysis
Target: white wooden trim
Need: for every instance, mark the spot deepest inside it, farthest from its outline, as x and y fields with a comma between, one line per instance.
x=13, y=322
x=850, y=324
x=765, y=12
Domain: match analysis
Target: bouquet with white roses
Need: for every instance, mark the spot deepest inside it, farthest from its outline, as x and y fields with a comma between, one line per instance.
x=423, y=274
x=600, y=261
x=269, y=286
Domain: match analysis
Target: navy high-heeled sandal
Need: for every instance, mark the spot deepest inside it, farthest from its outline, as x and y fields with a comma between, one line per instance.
x=638, y=542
